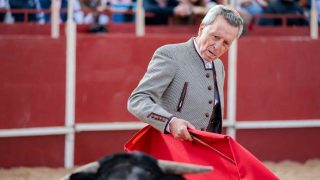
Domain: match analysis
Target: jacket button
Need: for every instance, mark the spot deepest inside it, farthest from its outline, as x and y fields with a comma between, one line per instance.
x=207, y=75
x=207, y=114
x=210, y=101
x=209, y=88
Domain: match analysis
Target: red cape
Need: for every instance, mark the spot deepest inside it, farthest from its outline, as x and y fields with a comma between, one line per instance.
x=229, y=159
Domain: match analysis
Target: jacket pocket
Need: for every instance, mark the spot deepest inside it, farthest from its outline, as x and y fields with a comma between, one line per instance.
x=182, y=96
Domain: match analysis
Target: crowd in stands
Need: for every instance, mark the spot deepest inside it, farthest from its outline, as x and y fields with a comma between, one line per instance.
x=180, y=11
x=85, y=11
x=183, y=10
x=251, y=8
x=164, y=11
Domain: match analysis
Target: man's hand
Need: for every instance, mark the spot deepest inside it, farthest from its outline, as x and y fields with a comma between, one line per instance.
x=179, y=129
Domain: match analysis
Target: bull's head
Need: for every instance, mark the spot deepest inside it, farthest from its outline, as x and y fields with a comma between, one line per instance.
x=134, y=166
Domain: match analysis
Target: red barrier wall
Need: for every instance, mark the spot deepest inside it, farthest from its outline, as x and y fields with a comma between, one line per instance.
x=32, y=81
x=32, y=151
x=94, y=145
x=298, y=144
x=277, y=80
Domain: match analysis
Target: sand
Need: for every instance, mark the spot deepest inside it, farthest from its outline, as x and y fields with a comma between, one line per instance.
x=285, y=170
x=289, y=170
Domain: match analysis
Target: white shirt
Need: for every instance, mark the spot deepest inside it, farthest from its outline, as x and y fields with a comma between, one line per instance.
x=208, y=64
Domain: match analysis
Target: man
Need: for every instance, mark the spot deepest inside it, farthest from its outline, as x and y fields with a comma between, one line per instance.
x=183, y=86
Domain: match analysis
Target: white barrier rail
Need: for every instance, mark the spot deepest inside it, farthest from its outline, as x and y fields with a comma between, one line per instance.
x=40, y=131
x=114, y=126
x=277, y=124
x=127, y=126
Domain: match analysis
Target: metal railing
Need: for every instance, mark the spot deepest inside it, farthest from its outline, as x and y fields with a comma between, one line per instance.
x=284, y=18
x=27, y=12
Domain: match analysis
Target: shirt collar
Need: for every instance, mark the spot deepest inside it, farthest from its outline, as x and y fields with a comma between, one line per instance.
x=208, y=64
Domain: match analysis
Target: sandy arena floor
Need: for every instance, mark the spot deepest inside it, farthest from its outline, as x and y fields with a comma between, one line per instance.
x=286, y=170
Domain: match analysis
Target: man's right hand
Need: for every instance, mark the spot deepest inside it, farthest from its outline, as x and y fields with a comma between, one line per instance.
x=179, y=129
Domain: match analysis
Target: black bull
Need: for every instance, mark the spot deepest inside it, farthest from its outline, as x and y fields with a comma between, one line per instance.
x=134, y=166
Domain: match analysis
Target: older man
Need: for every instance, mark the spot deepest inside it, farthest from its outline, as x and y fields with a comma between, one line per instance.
x=183, y=85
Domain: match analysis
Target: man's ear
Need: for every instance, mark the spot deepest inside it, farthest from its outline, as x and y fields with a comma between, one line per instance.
x=201, y=27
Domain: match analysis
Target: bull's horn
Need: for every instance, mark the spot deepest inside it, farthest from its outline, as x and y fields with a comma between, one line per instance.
x=182, y=168
x=87, y=168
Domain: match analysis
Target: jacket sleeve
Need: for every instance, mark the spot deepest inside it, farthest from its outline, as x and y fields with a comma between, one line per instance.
x=143, y=102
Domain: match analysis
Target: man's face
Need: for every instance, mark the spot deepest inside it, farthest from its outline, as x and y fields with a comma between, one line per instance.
x=215, y=39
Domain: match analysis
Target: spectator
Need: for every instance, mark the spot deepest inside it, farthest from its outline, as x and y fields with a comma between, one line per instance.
x=283, y=7
x=253, y=7
x=122, y=6
x=27, y=4
x=46, y=4
x=78, y=14
x=94, y=14
x=306, y=6
x=318, y=9
x=248, y=8
x=163, y=9
x=3, y=6
x=198, y=9
x=247, y=18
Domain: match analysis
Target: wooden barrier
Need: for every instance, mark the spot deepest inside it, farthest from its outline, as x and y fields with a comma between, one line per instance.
x=277, y=80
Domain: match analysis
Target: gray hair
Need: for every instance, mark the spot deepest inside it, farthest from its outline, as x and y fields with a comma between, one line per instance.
x=229, y=14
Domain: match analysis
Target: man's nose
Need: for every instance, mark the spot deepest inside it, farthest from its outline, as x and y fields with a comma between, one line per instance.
x=217, y=45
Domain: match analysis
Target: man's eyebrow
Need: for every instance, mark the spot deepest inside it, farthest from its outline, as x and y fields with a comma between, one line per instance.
x=214, y=34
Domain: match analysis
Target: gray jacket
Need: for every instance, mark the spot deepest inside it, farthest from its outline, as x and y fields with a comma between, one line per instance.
x=177, y=84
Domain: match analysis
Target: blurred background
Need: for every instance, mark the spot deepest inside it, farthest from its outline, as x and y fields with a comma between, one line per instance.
x=67, y=69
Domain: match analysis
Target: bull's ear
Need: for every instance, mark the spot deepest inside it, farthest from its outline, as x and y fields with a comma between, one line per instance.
x=88, y=168
x=172, y=167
